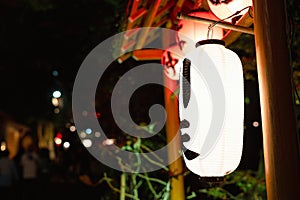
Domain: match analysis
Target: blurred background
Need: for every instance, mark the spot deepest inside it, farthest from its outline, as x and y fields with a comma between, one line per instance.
x=42, y=45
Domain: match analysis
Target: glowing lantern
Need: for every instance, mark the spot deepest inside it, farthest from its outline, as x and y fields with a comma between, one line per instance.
x=224, y=9
x=171, y=60
x=196, y=31
x=211, y=109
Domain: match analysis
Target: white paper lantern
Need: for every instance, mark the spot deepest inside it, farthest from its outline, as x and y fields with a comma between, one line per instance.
x=171, y=60
x=211, y=109
x=223, y=9
x=196, y=31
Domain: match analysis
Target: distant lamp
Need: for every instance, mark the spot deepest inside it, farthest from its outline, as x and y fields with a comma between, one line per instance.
x=196, y=31
x=3, y=146
x=58, y=139
x=66, y=145
x=55, y=101
x=56, y=94
x=211, y=109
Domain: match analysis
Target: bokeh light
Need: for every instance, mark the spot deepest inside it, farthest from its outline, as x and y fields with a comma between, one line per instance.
x=56, y=94
x=87, y=143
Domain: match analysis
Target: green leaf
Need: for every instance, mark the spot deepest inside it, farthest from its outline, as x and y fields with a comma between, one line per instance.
x=247, y=100
x=137, y=144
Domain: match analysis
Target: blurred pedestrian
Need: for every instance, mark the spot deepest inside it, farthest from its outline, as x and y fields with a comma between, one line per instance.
x=30, y=166
x=9, y=176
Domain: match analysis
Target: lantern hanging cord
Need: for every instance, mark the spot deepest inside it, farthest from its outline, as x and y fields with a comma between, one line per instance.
x=211, y=26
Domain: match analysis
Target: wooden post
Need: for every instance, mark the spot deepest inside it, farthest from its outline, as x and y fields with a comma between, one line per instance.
x=280, y=142
x=172, y=128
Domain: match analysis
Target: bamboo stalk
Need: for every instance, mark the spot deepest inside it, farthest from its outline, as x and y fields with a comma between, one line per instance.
x=123, y=186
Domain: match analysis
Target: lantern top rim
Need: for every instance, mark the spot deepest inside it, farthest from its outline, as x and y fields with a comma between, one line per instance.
x=210, y=41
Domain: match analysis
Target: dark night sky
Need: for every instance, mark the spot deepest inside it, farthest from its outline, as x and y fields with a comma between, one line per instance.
x=36, y=39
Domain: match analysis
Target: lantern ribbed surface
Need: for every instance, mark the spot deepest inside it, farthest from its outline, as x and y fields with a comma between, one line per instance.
x=215, y=111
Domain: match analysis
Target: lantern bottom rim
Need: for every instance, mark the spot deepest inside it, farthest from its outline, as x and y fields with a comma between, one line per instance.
x=213, y=179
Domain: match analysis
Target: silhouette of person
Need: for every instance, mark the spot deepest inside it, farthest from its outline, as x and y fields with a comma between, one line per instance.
x=30, y=165
x=8, y=175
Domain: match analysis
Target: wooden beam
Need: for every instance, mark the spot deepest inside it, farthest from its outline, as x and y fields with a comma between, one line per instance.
x=245, y=21
x=174, y=13
x=127, y=45
x=134, y=6
x=124, y=57
x=219, y=24
x=280, y=138
x=160, y=22
x=165, y=9
x=138, y=14
x=130, y=33
x=147, y=54
x=148, y=23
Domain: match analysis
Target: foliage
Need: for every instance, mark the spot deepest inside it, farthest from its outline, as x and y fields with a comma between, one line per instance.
x=245, y=48
x=37, y=5
x=247, y=184
x=293, y=12
x=139, y=185
x=239, y=185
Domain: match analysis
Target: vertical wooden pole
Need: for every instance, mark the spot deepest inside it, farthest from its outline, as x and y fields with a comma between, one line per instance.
x=123, y=186
x=280, y=141
x=172, y=128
